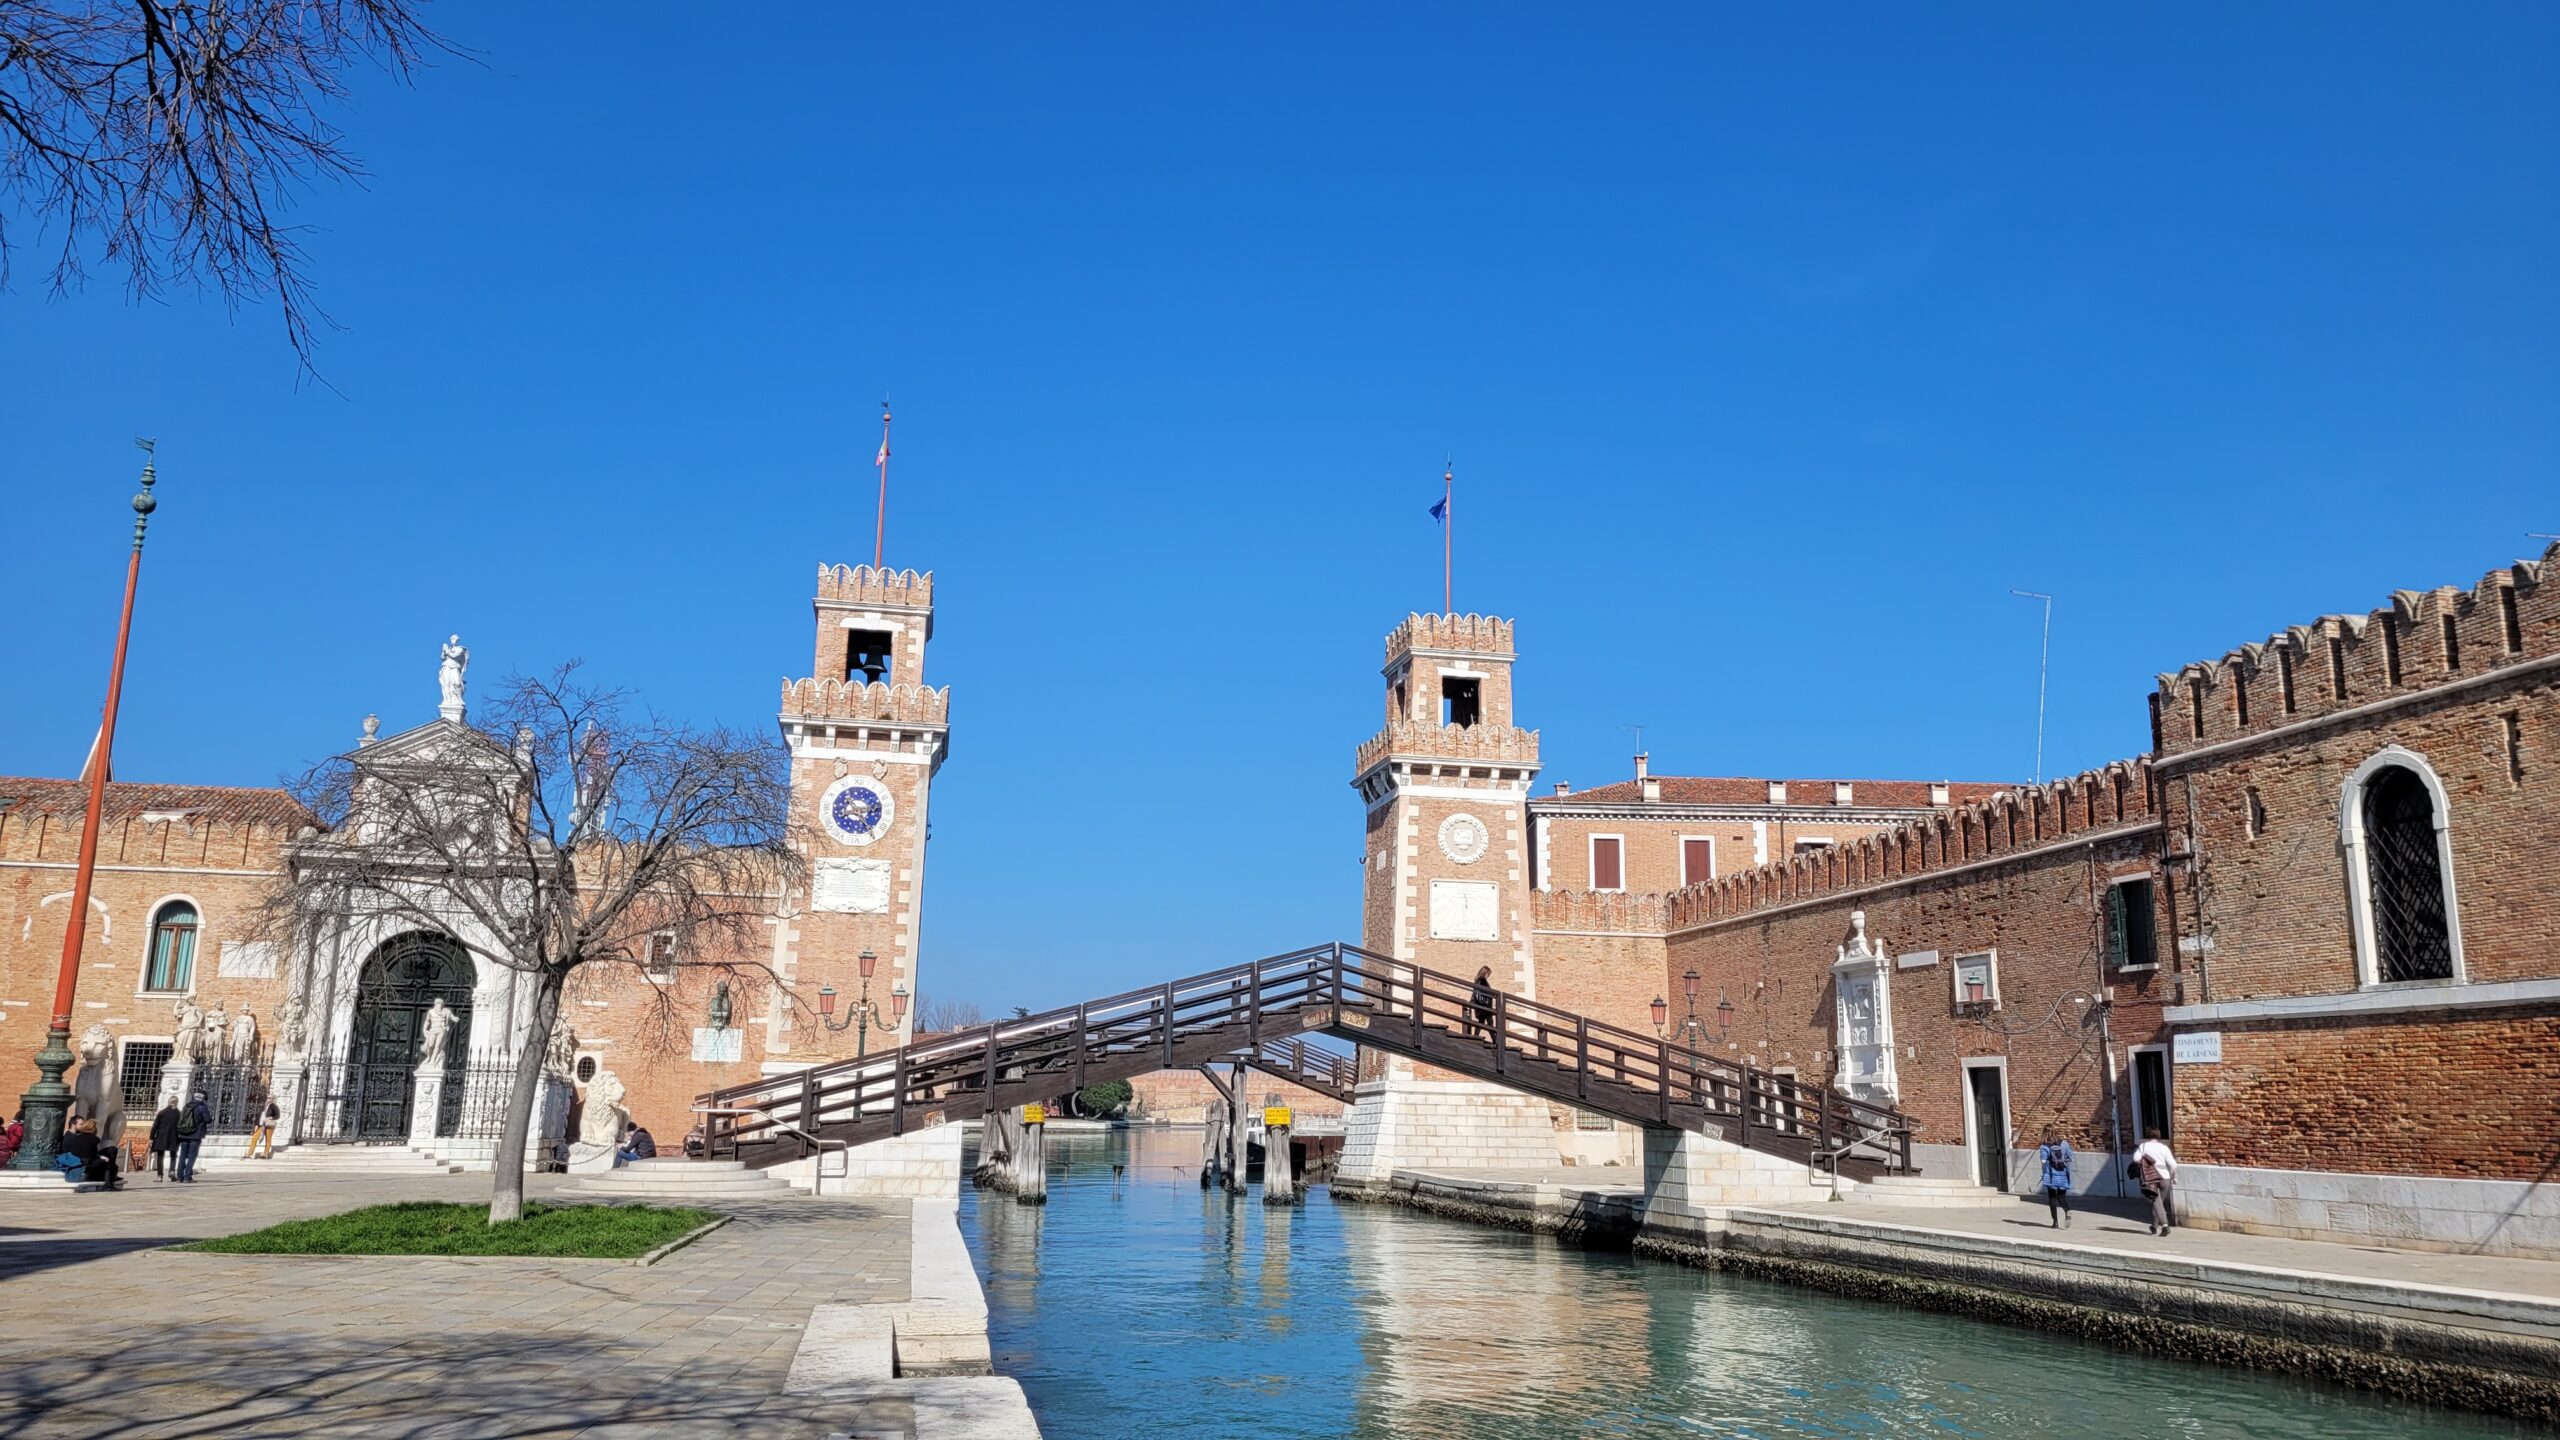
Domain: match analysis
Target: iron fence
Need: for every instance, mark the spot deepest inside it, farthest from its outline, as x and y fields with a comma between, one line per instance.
x=478, y=1097
x=236, y=1091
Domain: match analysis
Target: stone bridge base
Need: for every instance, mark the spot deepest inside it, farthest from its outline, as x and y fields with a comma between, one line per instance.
x=1399, y=1123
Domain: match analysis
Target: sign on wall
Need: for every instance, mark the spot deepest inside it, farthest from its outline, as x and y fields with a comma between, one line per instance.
x=1915, y=959
x=851, y=887
x=2196, y=1047
x=247, y=960
x=1466, y=910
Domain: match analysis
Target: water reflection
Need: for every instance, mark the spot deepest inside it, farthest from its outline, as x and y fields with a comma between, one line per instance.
x=1172, y=1314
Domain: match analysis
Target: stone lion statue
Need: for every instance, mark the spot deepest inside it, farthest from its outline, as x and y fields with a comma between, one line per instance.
x=602, y=1121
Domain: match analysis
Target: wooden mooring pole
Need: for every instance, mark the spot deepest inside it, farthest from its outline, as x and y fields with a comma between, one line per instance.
x=996, y=1145
x=1279, y=1177
x=1030, y=1158
x=1213, y=1139
x=1239, y=1133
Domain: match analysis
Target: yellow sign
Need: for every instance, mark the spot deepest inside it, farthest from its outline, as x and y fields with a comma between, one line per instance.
x=1275, y=1116
x=1035, y=1114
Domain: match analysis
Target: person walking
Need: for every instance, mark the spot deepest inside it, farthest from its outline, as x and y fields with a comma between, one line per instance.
x=2054, y=1158
x=262, y=1140
x=194, y=1123
x=164, y=1139
x=1480, y=1004
x=2157, y=1169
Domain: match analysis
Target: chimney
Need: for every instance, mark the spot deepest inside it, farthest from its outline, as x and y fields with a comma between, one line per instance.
x=1652, y=788
x=1564, y=787
x=1641, y=758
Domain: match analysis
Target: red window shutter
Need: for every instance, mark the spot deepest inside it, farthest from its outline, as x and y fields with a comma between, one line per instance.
x=1697, y=861
x=1606, y=871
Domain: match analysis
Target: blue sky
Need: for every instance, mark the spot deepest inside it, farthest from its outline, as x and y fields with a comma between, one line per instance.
x=1774, y=348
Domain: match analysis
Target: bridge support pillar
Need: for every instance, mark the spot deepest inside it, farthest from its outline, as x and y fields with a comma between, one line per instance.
x=1400, y=1122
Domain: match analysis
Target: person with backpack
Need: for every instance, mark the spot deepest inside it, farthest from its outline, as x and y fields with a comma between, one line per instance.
x=2055, y=1159
x=2157, y=1170
x=194, y=1123
x=164, y=1139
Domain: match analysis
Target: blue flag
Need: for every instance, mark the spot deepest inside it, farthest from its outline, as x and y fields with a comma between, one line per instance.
x=1440, y=509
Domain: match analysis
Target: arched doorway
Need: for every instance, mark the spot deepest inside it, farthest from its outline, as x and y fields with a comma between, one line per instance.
x=400, y=983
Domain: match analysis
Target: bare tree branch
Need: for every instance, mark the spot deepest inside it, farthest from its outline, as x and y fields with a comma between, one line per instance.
x=170, y=137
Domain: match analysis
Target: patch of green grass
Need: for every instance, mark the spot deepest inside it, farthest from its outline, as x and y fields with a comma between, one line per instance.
x=424, y=1227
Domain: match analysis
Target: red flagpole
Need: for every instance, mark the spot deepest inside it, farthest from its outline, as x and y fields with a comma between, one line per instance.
x=1448, y=538
x=880, y=526
x=47, y=1104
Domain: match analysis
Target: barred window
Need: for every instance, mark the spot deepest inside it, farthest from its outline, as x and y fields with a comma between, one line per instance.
x=2404, y=878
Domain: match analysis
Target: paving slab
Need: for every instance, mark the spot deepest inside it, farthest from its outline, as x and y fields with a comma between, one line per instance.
x=105, y=1332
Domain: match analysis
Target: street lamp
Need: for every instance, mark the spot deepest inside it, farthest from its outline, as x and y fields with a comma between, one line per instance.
x=1691, y=1029
x=866, y=1011
x=48, y=1101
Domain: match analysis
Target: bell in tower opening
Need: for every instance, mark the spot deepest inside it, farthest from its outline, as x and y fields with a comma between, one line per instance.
x=866, y=654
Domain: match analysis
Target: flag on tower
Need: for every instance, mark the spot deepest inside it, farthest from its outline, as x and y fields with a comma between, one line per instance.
x=97, y=743
x=1440, y=509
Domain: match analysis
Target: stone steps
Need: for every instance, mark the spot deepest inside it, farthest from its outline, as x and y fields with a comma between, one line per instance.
x=347, y=1160
x=1929, y=1192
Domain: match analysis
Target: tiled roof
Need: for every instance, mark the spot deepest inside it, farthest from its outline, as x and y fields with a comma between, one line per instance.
x=1742, y=790
x=226, y=804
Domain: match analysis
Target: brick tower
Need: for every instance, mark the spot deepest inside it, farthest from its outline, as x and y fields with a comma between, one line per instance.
x=867, y=736
x=1446, y=886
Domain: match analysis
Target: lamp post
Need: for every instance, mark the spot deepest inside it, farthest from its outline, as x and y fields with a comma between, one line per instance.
x=1691, y=1029
x=865, y=1012
x=48, y=1101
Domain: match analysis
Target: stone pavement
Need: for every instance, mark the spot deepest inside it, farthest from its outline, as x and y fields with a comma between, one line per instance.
x=102, y=1332
x=2122, y=1227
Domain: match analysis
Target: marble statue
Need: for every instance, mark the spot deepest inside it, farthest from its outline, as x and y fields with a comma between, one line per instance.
x=449, y=674
x=244, y=1038
x=720, y=1006
x=188, y=1041
x=96, y=1092
x=291, y=1035
x=215, y=1024
x=604, y=1117
x=435, y=1035
x=561, y=1058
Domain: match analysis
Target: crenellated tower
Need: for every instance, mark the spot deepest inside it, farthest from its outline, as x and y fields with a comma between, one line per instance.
x=867, y=736
x=1445, y=886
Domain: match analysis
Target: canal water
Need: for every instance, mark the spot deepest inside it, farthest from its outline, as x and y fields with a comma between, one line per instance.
x=1159, y=1312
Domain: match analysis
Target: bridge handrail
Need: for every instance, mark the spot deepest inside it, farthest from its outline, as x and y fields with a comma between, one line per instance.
x=1338, y=980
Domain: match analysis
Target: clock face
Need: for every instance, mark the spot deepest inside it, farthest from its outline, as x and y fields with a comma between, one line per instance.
x=1463, y=838
x=856, y=810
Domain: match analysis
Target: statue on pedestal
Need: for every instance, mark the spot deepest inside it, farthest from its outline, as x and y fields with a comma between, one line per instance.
x=435, y=1035
x=561, y=1057
x=187, y=1043
x=96, y=1093
x=455, y=660
x=209, y=1037
x=604, y=1118
x=291, y=1034
x=243, y=1046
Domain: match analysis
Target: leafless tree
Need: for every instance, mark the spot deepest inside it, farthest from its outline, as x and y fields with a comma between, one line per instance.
x=169, y=137
x=560, y=830
x=938, y=1016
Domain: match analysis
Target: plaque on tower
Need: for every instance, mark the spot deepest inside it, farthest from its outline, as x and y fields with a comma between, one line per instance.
x=850, y=887
x=1466, y=910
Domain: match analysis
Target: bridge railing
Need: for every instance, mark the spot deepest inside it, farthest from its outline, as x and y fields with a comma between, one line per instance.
x=1273, y=1000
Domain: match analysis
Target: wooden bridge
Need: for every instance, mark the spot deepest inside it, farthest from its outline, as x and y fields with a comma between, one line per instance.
x=1262, y=1011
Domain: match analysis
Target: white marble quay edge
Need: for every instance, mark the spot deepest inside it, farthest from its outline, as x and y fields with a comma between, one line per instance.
x=2538, y=1308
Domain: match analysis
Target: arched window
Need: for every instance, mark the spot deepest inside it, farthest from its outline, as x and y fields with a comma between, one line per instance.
x=2400, y=872
x=172, y=966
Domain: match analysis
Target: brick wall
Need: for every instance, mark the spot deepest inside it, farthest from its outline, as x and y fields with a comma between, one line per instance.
x=1183, y=1096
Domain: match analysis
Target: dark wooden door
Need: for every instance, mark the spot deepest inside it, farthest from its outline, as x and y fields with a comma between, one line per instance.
x=1990, y=1127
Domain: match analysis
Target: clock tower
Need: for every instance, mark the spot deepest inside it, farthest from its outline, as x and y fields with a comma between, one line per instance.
x=867, y=736
x=1445, y=886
